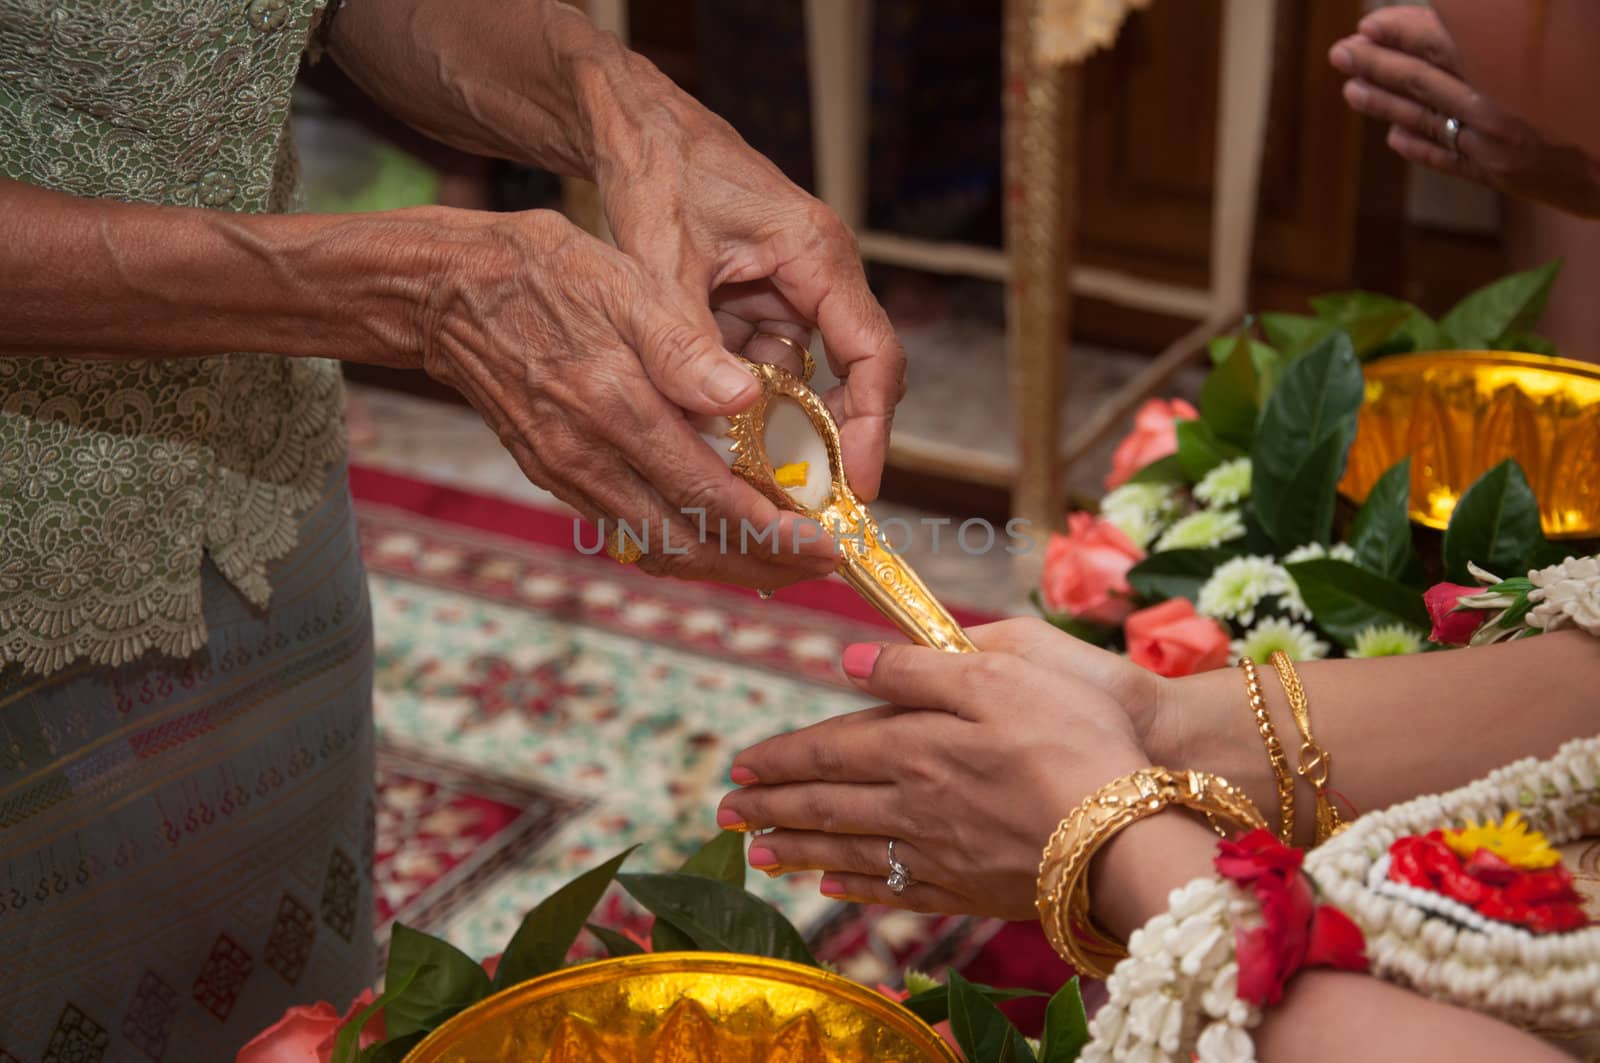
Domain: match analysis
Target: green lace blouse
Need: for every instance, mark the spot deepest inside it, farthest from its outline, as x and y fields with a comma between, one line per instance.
x=117, y=479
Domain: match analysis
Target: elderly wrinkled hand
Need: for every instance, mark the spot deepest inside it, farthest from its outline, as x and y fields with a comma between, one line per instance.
x=583, y=363
x=1403, y=69
x=969, y=768
x=745, y=251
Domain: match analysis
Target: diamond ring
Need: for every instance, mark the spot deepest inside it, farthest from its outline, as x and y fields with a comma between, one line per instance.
x=1452, y=134
x=899, y=875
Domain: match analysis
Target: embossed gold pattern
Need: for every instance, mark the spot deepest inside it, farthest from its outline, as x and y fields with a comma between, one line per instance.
x=672, y=1007
x=1460, y=413
x=866, y=561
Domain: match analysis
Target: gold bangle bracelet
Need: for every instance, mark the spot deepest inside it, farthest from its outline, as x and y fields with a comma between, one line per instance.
x=1315, y=763
x=1063, y=897
x=1275, y=755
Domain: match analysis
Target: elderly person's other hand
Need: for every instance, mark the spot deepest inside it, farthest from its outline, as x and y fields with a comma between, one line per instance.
x=969, y=769
x=583, y=363
x=1403, y=69
x=714, y=220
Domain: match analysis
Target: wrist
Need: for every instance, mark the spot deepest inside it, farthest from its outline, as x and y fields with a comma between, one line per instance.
x=1132, y=875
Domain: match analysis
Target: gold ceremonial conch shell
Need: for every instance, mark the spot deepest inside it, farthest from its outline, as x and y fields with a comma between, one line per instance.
x=1460, y=413
x=788, y=405
x=678, y=1007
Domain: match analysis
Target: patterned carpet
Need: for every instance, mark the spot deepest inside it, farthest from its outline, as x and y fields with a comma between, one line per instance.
x=539, y=710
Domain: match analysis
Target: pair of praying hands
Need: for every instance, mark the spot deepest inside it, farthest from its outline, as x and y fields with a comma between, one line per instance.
x=968, y=768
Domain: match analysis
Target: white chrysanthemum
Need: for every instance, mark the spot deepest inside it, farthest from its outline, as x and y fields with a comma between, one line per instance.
x=1202, y=530
x=1141, y=526
x=1316, y=552
x=1386, y=640
x=1238, y=586
x=1274, y=633
x=1226, y=485
x=1140, y=511
x=1566, y=595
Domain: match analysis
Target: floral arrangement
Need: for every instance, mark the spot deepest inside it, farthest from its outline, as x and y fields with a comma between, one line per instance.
x=1483, y=915
x=1222, y=536
x=703, y=905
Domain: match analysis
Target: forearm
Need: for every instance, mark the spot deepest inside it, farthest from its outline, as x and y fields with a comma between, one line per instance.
x=1395, y=727
x=534, y=82
x=103, y=279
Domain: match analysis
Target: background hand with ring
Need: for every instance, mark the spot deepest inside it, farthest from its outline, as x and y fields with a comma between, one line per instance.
x=968, y=769
x=1403, y=69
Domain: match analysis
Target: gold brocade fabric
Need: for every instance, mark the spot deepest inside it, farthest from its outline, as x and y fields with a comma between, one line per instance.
x=117, y=478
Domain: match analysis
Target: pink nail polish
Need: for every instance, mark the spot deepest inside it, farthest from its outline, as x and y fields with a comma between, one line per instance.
x=832, y=887
x=742, y=776
x=859, y=657
x=762, y=858
x=728, y=819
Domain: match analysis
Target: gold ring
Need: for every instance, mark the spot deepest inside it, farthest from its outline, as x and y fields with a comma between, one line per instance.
x=808, y=364
x=622, y=547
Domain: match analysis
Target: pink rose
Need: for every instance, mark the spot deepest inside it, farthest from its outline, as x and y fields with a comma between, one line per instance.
x=1154, y=436
x=306, y=1034
x=1452, y=628
x=1086, y=570
x=1171, y=639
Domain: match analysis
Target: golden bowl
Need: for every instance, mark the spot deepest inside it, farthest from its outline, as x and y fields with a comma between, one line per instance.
x=1460, y=413
x=678, y=1007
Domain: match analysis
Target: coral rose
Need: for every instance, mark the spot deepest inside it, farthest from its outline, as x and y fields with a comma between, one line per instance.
x=1154, y=436
x=1171, y=639
x=1086, y=570
x=306, y=1034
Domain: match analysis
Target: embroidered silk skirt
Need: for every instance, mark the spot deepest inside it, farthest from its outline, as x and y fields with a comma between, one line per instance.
x=186, y=845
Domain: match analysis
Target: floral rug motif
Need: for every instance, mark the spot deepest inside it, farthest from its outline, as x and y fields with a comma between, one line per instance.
x=539, y=710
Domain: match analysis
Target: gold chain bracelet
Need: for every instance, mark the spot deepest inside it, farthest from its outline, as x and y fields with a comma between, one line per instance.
x=1315, y=763
x=1275, y=755
x=1063, y=898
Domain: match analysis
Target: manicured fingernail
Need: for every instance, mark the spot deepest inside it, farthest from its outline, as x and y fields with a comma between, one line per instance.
x=859, y=657
x=1342, y=59
x=762, y=858
x=728, y=382
x=728, y=819
x=832, y=887
x=742, y=776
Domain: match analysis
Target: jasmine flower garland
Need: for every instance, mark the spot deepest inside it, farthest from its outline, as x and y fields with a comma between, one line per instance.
x=1202, y=530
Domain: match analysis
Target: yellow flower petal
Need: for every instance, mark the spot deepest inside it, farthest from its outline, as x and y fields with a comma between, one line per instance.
x=1510, y=840
x=793, y=474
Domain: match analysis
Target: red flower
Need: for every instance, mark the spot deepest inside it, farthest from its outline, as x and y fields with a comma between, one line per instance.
x=1295, y=931
x=1545, y=901
x=1451, y=628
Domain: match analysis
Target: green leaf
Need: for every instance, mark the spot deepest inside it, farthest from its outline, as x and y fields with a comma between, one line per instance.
x=717, y=916
x=981, y=1029
x=395, y=1049
x=1302, y=442
x=1200, y=451
x=541, y=943
x=347, y=1046
x=1293, y=334
x=1167, y=470
x=450, y=981
x=933, y=1005
x=721, y=858
x=1175, y=573
x=1509, y=305
x=1228, y=398
x=1066, y=1026
x=1378, y=324
x=1346, y=599
x=1528, y=343
x=664, y=937
x=1381, y=535
x=1495, y=525
x=615, y=944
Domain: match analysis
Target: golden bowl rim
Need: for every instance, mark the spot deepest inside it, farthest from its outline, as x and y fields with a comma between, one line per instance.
x=599, y=971
x=1419, y=362
x=1397, y=364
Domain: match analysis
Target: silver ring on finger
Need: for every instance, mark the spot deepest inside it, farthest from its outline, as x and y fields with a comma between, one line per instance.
x=1452, y=135
x=899, y=875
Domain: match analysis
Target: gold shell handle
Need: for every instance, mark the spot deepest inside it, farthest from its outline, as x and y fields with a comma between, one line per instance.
x=866, y=563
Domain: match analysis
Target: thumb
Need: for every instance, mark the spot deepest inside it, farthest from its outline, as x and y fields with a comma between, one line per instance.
x=687, y=363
